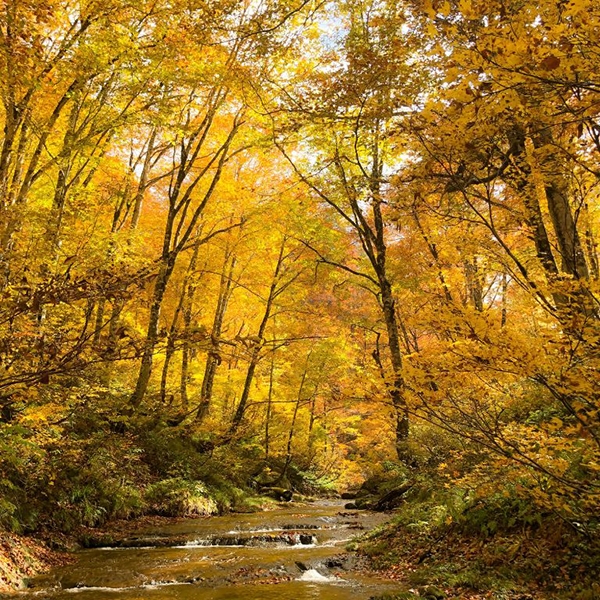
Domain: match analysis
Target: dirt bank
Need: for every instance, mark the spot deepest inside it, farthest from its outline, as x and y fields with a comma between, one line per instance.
x=22, y=557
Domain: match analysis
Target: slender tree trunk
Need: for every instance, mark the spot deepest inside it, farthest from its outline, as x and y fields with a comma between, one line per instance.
x=257, y=345
x=186, y=296
x=152, y=335
x=591, y=246
x=432, y=247
x=101, y=305
x=242, y=405
x=313, y=416
x=14, y=115
x=19, y=161
x=120, y=215
x=388, y=306
x=186, y=349
x=524, y=182
x=409, y=345
x=474, y=291
x=213, y=359
x=288, y=451
x=378, y=259
x=143, y=183
x=397, y=384
x=113, y=326
x=65, y=165
x=569, y=242
x=504, y=299
x=527, y=189
x=9, y=214
x=185, y=373
x=169, y=353
x=269, y=407
x=570, y=248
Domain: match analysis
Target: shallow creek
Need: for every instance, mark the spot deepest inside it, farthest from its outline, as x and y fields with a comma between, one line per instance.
x=293, y=553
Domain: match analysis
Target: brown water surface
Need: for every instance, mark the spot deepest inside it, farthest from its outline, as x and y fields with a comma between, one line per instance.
x=293, y=553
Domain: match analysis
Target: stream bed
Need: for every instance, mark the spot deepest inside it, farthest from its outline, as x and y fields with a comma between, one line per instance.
x=295, y=552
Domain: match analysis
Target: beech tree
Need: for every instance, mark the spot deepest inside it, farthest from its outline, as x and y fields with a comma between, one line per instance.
x=350, y=131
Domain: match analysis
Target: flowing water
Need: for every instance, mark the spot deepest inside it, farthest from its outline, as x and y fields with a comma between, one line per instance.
x=293, y=553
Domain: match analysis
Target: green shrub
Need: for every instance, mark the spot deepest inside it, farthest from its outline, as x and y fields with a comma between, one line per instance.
x=498, y=512
x=178, y=497
x=128, y=502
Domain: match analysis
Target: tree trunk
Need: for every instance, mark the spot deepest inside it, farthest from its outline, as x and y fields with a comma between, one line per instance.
x=569, y=243
x=185, y=369
x=524, y=183
x=160, y=288
x=269, y=407
x=188, y=289
x=561, y=215
x=288, y=451
x=591, y=246
x=396, y=386
x=388, y=306
x=526, y=187
x=504, y=299
x=143, y=183
x=474, y=290
x=257, y=346
x=169, y=353
x=431, y=246
x=213, y=360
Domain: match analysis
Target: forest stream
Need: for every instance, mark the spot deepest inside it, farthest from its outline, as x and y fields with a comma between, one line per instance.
x=296, y=552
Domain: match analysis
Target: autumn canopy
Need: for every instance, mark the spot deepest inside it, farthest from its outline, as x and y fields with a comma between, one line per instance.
x=299, y=243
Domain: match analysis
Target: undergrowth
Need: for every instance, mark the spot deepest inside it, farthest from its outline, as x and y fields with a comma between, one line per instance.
x=468, y=546
x=90, y=470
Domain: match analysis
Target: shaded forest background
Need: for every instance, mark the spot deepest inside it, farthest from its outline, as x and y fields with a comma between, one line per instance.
x=298, y=243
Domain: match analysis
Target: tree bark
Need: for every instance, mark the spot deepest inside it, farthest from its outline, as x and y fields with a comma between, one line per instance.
x=569, y=242
x=213, y=359
x=160, y=287
x=288, y=449
x=526, y=188
x=474, y=290
x=388, y=304
x=257, y=345
x=186, y=304
x=269, y=407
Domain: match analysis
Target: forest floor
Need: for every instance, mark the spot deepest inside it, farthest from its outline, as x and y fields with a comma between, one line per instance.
x=22, y=557
x=545, y=563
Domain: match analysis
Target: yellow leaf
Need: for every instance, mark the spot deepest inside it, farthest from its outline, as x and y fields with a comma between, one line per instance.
x=554, y=424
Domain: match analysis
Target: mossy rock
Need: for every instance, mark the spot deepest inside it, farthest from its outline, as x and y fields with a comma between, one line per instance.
x=364, y=502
